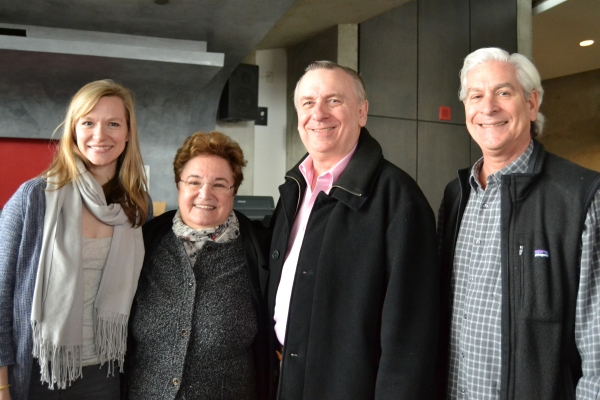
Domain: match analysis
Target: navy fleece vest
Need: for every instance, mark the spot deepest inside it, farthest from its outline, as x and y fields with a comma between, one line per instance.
x=542, y=220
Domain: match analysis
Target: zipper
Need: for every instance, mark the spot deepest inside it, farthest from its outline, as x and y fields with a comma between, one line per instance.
x=346, y=190
x=522, y=274
x=299, y=194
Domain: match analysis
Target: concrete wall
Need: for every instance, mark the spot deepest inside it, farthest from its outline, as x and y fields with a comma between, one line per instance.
x=572, y=108
x=270, y=140
x=409, y=58
x=243, y=133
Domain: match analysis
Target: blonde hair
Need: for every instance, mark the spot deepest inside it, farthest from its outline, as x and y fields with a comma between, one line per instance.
x=128, y=186
x=211, y=144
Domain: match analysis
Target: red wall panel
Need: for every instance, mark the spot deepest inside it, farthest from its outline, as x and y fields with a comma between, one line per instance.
x=21, y=160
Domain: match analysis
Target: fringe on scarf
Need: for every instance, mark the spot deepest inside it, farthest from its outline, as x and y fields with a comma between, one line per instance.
x=62, y=364
x=59, y=365
x=110, y=338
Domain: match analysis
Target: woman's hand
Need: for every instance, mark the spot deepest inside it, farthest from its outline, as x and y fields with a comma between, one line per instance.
x=4, y=393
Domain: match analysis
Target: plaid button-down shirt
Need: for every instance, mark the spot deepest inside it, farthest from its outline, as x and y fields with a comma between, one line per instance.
x=475, y=337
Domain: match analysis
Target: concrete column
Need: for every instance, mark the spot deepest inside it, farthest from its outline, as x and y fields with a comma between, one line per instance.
x=348, y=46
x=524, y=28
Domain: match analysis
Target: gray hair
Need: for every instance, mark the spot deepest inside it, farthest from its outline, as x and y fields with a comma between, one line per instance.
x=527, y=76
x=359, y=85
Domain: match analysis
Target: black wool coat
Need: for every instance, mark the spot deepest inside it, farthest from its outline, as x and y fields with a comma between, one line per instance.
x=363, y=315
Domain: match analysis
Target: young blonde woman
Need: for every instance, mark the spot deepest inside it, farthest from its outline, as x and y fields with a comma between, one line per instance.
x=71, y=254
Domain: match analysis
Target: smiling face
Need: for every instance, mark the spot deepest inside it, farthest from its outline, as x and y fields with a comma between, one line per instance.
x=498, y=114
x=205, y=208
x=329, y=114
x=102, y=135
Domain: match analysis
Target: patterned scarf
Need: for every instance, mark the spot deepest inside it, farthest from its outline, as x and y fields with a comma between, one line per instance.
x=194, y=239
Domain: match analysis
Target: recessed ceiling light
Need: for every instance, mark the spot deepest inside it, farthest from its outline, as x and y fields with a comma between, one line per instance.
x=586, y=43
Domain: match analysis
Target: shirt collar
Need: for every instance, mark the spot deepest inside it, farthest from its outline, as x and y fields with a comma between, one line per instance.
x=332, y=175
x=518, y=166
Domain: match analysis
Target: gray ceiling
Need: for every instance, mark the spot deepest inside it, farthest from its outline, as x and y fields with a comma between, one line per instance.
x=232, y=27
x=308, y=17
x=237, y=27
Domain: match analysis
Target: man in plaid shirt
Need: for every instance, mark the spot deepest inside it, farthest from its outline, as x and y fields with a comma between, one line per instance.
x=520, y=245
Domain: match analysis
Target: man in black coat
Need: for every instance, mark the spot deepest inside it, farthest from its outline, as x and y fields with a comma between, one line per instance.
x=353, y=291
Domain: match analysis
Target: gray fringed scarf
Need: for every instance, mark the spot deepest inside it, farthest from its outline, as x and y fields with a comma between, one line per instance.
x=57, y=310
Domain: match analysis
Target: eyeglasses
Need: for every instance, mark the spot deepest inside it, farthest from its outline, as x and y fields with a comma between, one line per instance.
x=194, y=186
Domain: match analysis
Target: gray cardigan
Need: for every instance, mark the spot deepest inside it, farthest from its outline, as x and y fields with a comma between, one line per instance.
x=164, y=312
x=21, y=229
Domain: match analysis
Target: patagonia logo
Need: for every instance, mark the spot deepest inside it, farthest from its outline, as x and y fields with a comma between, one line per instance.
x=541, y=253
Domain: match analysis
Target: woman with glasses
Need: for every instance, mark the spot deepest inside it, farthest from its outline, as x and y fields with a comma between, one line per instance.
x=198, y=327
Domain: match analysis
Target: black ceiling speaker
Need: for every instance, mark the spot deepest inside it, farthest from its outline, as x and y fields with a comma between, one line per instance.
x=239, y=100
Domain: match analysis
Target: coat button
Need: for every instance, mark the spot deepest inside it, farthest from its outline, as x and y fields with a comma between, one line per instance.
x=275, y=255
x=208, y=248
x=191, y=284
x=175, y=381
x=184, y=333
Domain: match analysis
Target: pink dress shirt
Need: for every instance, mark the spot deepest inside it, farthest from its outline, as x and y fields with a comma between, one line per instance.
x=324, y=184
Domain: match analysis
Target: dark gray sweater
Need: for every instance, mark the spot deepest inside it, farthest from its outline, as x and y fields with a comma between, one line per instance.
x=193, y=329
